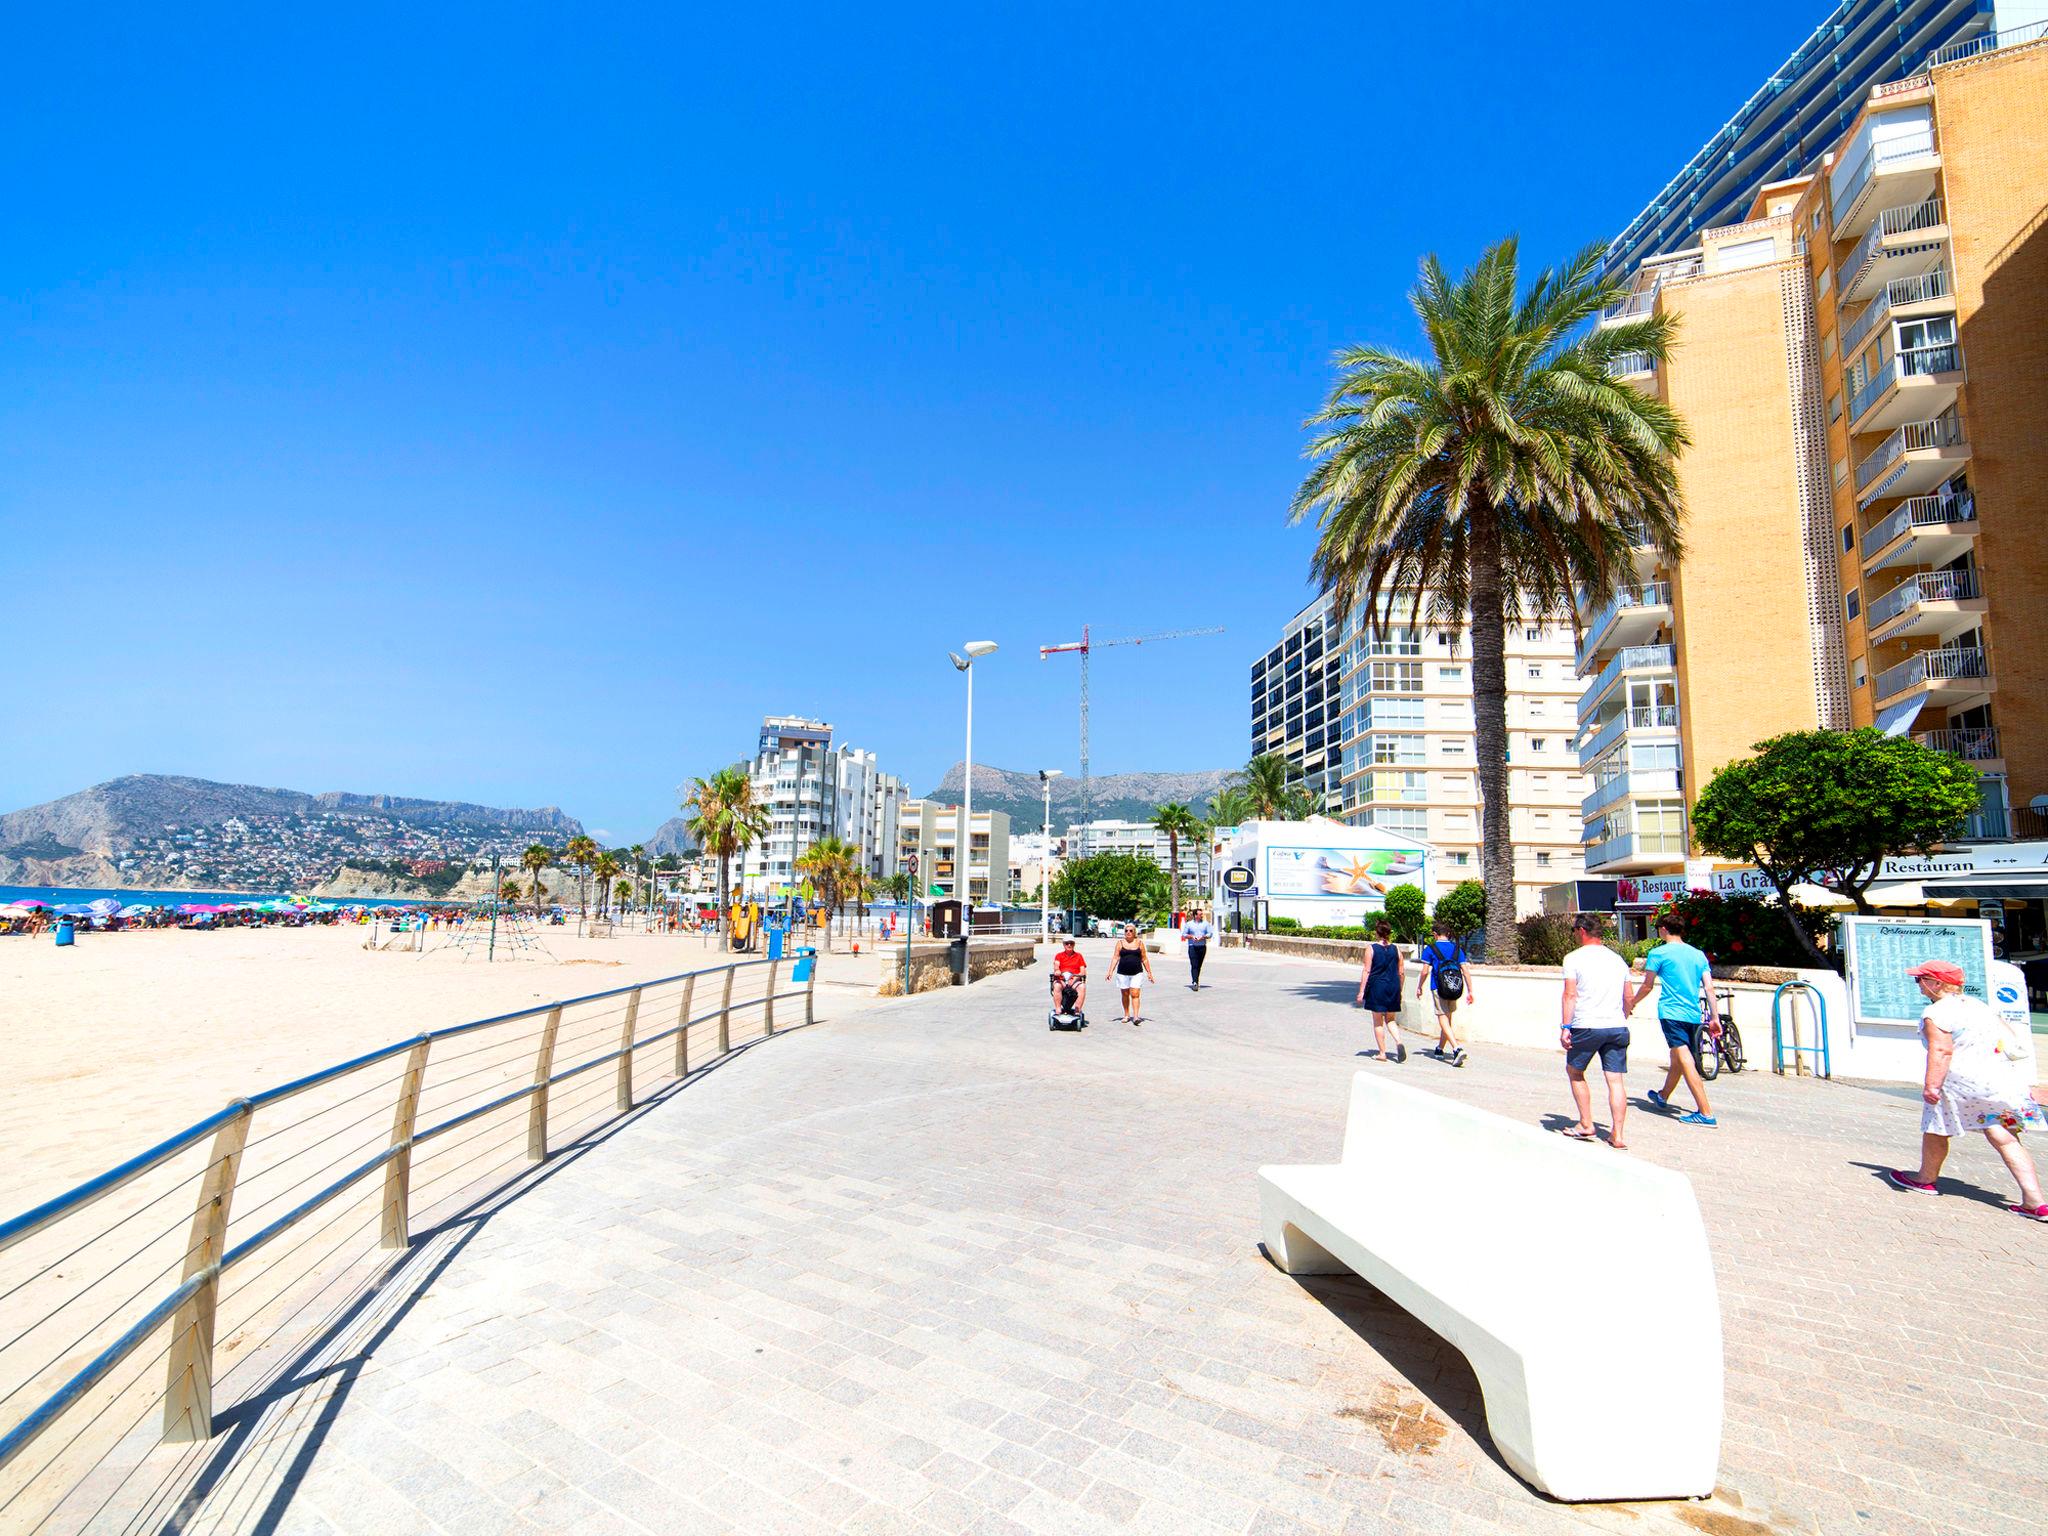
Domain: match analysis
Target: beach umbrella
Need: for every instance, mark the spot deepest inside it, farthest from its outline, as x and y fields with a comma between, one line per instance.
x=137, y=910
x=106, y=906
x=29, y=903
x=76, y=911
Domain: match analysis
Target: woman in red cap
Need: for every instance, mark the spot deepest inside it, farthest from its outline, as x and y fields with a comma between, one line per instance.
x=1971, y=1085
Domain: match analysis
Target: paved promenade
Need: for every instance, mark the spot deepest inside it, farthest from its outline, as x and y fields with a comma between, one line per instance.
x=930, y=1268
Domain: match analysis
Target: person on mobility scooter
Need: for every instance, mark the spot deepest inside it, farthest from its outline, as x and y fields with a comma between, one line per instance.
x=1069, y=988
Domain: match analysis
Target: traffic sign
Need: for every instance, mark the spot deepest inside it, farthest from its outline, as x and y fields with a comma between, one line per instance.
x=910, y=863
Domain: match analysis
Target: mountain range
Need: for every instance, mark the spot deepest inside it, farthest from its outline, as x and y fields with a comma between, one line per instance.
x=1113, y=797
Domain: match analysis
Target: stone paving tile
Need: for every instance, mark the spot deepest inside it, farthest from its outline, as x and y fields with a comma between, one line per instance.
x=932, y=1268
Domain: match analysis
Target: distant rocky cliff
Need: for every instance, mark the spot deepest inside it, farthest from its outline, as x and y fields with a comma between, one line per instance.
x=1115, y=797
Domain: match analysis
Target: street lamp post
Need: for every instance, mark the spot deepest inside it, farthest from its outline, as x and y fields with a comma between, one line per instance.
x=1045, y=778
x=963, y=882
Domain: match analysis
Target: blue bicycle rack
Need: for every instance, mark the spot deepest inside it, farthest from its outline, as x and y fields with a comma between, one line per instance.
x=1820, y=1004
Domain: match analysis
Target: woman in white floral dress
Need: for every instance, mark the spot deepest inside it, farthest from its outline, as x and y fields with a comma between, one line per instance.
x=1972, y=1084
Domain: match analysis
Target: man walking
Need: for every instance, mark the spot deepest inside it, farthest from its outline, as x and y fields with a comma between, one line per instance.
x=1684, y=980
x=1449, y=983
x=1195, y=934
x=1594, y=1023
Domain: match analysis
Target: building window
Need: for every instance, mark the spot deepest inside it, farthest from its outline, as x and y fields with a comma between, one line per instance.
x=1538, y=743
x=1827, y=346
x=1841, y=472
x=1532, y=635
x=1451, y=674
x=1536, y=671
x=1395, y=642
x=1397, y=677
x=1543, y=859
x=1824, y=281
x=1835, y=407
x=1453, y=747
x=1848, y=537
x=1852, y=604
x=1859, y=673
x=1460, y=856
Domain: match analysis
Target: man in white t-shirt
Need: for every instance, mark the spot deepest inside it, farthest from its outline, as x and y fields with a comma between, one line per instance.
x=1595, y=1023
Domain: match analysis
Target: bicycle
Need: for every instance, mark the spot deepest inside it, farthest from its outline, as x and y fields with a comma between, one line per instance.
x=1719, y=1045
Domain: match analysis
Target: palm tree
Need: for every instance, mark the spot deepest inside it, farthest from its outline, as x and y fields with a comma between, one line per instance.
x=581, y=852
x=1229, y=807
x=638, y=855
x=725, y=819
x=1264, y=782
x=538, y=856
x=832, y=863
x=1177, y=822
x=1505, y=475
x=607, y=868
x=1300, y=803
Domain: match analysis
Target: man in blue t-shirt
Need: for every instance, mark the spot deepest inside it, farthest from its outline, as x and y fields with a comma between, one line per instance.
x=1445, y=975
x=1684, y=980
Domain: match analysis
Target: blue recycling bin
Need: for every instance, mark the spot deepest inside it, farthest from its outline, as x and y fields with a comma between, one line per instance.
x=67, y=932
x=806, y=958
x=776, y=934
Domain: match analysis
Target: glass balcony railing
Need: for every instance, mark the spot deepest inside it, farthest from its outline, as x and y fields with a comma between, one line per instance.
x=1893, y=221
x=1896, y=294
x=1972, y=743
x=1944, y=664
x=1642, y=718
x=1627, y=659
x=1944, y=431
x=1920, y=512
x=1927, y=587
x=1849, y=189
x=1649, y=594
x=1942, y=357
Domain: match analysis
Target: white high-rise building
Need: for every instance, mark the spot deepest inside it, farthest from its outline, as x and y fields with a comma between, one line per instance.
x=868, y=809
x=1141, y=840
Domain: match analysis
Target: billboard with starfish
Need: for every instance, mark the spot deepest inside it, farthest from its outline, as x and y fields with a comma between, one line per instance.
x=1359, y=876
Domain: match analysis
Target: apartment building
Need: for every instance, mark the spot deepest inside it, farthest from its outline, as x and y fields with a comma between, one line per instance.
x=1294, y=702
x=931, y=831
x=1862, y=491
x=1409, y=759
x=812, y=790
x=867, y=808
x=1141, y=840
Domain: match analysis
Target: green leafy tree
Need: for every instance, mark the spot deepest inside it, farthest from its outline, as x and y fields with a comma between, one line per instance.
x=1408, y=911
x=1502, y=477
x=725, y=819
x=1177, y=822
x=1829, y=807
x=1463, y=906
x=1112, y=885
x=537, y=857
x=1265, y=782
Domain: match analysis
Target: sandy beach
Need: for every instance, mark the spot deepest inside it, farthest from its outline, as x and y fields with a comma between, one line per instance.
x=123, y=1038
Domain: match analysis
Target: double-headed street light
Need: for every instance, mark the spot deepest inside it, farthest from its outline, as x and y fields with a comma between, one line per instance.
x=963, y=883
x=1045, y=778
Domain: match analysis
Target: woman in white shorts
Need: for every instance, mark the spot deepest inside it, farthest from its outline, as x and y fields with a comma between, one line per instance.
x=1972, y=1084
x=1131, y=967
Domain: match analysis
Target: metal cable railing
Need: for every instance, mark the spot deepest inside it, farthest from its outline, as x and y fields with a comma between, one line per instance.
x=124, y=1330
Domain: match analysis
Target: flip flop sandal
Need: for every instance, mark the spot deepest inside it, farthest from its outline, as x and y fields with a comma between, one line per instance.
x=1573, y=1133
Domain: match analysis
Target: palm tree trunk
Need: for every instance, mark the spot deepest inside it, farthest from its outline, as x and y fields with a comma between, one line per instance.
x=1490, y=732
x=1173, y=858
x=724, y=886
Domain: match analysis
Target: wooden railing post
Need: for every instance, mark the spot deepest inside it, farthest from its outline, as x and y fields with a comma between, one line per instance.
x=626, y=1051
x=398, y=1172
x=768, y=1007
x=810, y=986
x=188, y=1394
x=537, y=1106
x=683, y=1026
x=725, y=1013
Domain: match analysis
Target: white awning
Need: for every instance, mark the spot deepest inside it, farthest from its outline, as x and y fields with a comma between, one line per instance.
x=1894, y=721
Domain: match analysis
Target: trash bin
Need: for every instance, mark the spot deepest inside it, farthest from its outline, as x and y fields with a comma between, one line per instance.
x=67, y=932
x=806, y=959
x=776, y=934
x=956, y=956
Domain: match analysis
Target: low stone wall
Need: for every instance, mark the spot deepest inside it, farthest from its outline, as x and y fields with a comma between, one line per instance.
x=992, y=957
x=1349, y=950
x=931, y=963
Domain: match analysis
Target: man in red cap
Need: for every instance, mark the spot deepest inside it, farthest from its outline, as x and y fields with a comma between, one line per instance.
x=1972, y=1084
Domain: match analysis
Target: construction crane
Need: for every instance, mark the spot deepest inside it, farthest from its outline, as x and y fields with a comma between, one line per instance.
x=1085, y=646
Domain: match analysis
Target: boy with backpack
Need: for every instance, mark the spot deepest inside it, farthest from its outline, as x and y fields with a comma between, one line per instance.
x=1445, y=976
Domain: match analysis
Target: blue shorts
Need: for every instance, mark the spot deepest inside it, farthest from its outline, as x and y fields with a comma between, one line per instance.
x=1610, y=1045
x=1681, y=1034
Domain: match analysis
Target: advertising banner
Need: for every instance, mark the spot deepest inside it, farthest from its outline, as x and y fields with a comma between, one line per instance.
x=1360, y=877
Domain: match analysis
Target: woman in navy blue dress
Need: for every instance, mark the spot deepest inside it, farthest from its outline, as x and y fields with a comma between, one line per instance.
x=1379, y=989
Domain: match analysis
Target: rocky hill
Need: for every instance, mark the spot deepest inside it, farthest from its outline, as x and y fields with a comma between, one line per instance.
x=1115, y=797
x=672, y=836
x=159, y=829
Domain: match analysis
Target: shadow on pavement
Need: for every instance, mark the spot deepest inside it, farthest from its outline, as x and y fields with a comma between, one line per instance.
x=1343, y=992
x=1946, y=1184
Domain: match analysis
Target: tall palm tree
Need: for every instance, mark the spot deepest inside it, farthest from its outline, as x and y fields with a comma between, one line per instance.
x=1230, y=806
x=538, y=856
x=607, y=868
x=1505, y=475
x=1177, y=822
x=832, y=863
x=1264, y=782
x=725, y=819
x=581, y=852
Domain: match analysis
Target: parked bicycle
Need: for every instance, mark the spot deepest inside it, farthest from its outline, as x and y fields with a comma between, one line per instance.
x=1719, y=1045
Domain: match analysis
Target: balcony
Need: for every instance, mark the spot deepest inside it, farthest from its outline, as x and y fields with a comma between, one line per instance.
x=1633, y=614
x=1635, y=852
x=1906, y=241
x=1917, y=457
x=1659, y=717
x=1972, y=743
x=1631, y=367
x=1914, y=384
x=1630, y=306
x=1908, y=298
x=1633, y=658
x=1922, y=530
x=1900, y=168
x=1947, y=675
x=1941, y=604
x=1661, y=782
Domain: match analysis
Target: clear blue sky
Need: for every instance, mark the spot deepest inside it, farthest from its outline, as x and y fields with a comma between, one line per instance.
x=513, y=403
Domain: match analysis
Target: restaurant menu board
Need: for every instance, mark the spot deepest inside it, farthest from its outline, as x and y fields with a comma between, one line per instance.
x=1879, y=949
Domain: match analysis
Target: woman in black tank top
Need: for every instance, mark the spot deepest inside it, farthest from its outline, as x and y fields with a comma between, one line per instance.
x=1132, y=969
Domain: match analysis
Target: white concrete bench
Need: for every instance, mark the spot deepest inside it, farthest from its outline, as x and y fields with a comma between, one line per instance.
x=1574, y=1278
